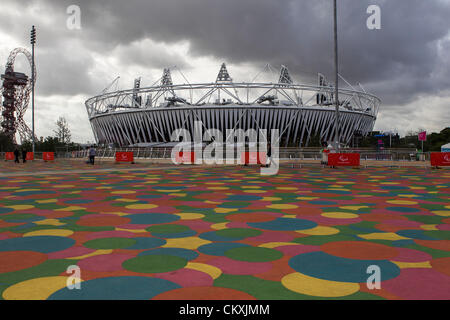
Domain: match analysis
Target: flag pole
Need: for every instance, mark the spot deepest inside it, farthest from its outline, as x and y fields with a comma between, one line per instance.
x=336, y=62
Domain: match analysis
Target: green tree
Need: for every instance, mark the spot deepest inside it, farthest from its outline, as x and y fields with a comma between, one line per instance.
x=411, y=140
x=436, y=140
x=6, y=143
x=49, y=144
x=62, y=132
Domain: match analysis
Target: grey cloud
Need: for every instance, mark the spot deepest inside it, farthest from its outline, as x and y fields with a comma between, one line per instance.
x=408, y=58
x=296, y=33
x=149, y=55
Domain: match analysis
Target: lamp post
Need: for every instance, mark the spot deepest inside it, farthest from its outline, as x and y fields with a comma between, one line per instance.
x=337, y=131
x=33, y=42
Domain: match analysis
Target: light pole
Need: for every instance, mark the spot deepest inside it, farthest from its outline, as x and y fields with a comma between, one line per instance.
x=33, y=42
x=337, y=131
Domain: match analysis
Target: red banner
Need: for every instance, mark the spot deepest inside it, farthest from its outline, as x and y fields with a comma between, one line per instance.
x=344, y=159
x=30, y=156
x=440, y=159
x=124, y=157
x=9, y=156
x=185, y=157
x=48, y=156
x=254, y=158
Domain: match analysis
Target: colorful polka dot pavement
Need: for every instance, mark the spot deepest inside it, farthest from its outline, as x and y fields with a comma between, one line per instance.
x=226, y=233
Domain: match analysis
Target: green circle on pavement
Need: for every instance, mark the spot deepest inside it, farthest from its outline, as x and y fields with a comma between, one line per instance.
x=154, y=263
x=110, y=243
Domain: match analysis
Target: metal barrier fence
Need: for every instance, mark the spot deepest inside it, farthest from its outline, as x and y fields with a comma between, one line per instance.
x=139, y=153
x=284, y=154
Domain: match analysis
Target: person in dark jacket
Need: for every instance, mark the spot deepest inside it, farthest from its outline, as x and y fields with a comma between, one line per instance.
x=24, y=155
x=16, y=155
x=92, y=155
x=269, y=154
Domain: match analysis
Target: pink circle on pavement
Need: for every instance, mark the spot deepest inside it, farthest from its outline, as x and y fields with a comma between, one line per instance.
x=70, y=253
x=134, y=226
x=419, y=284
x=237, y=224
x=110, y=234
x=197, y=225
x=443, y=227
x=411, y=255
x=188, y=278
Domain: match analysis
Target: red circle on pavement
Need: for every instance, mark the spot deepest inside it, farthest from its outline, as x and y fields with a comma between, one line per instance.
x=107, y=220
x=18, y=260
x=360, y=250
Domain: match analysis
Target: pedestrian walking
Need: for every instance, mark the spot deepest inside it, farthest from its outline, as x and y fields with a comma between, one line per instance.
x=92, y=155
x=24, y=155
x=269, y=155
x=16, y=155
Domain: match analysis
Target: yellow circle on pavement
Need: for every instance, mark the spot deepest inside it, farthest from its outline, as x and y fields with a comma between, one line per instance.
x=141, y=206
x=304, y=284
x=35, y=289
x=49, y=232
x=405, y=202
x=339, y=215
x=320, y=231
x=282, y=206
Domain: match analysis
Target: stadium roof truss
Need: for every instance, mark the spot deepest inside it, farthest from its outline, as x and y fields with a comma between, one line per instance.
x=299, y=111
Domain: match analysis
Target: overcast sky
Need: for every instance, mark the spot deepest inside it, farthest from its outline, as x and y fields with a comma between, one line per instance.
x=406, y=63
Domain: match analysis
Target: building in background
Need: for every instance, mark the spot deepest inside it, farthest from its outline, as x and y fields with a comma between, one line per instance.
x=148, y=116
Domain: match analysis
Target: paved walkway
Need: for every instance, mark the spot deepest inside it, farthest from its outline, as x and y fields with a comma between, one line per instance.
x=62, y=172
x=225, y=233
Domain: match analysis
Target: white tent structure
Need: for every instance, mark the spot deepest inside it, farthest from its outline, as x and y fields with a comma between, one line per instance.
x=445, y=148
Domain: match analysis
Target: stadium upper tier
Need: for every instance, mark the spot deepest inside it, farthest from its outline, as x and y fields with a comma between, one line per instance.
x=300, y=112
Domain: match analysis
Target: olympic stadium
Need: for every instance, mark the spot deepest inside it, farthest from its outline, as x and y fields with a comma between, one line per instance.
x=147, y=116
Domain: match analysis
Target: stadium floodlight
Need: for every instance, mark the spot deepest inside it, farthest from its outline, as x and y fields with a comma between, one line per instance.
x=33, y=42
x=33, y=35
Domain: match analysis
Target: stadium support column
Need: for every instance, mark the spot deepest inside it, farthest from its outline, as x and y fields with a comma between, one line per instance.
x=336, y=61
x=33, y=42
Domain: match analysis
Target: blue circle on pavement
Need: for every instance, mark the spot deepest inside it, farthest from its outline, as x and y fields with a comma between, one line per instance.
x=117, y=288
x=219, y=249
x=324, y=266
x=152, y=218
x=284, y=224
x=44, y=244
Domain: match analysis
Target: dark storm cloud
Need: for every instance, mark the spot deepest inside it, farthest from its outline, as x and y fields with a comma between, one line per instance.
x=148, y=54
x=406, y=58
x=62, y=61
x=65, y=56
